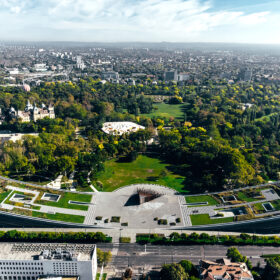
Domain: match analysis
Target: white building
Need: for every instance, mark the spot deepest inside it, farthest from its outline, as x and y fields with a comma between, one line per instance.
x=58, y=278
x=110, y=75
x=30, y=261
x=40, y=67
x=79, y=63
x=119, y=128
x=4, y=137
x=183, y=77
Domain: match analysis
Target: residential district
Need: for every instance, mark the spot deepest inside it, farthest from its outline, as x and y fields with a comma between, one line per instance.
x=139, y=161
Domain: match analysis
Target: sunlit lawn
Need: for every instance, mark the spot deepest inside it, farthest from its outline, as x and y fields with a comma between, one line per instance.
x=204, y=219
x=201, y=198
x=166, y=110
x=143, y=170
x=60, y=217
x=65, y=197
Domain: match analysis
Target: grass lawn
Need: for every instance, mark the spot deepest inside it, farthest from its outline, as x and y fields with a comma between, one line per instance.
x=258, y=208
x=204, y=219
x=276, y=204
x=243, y=197
x=59, y=217
x=270, y=256
x=143, y=170
x=3, y=195
x=64, y=199
x=166, y=110
x=201, y=198
x=104, y=276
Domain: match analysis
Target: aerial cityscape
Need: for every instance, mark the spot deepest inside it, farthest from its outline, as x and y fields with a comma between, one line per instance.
x=139, y=140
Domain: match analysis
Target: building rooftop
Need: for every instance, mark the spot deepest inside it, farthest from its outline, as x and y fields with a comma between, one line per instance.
x=46, y=251
x=58, y=278
x=224, y=269
x=119, y=128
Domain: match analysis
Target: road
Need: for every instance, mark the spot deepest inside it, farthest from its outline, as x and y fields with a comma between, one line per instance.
x=154, y=256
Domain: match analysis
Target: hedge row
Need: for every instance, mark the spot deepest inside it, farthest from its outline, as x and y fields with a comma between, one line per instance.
x=204, y=238
x=59, y=237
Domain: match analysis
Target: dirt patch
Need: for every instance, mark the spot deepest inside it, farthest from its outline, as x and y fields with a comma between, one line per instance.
x=150, y=170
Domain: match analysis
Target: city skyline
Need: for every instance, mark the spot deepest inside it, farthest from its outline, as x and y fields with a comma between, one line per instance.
x=142, y=21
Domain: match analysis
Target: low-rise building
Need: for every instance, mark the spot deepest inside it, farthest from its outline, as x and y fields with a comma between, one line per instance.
x=30, y=261
x=224, y=269
x=119, y=128
x=4, y=137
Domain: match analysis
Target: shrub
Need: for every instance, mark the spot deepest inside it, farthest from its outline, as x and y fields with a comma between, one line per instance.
x=125, y=239
x=98, y=218
x=115, y=219
x=124, y=224
x=162, y=222
x=178, y=220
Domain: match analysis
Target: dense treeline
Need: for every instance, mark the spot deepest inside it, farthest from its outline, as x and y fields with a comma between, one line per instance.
x=229, y=135
x=60, y=237
x=204, y=238
x=59, y=150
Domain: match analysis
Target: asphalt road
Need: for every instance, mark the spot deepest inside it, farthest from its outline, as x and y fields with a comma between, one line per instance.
x=153, y=256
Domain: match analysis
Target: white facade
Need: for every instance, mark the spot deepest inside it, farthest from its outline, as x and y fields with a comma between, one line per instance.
x=29, y=265
x=119, y=128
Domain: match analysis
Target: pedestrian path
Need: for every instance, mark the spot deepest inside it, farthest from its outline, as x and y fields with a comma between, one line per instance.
x=90, y=215
x=185, y=217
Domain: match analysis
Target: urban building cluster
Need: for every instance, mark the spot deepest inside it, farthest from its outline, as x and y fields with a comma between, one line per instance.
x=30, y=64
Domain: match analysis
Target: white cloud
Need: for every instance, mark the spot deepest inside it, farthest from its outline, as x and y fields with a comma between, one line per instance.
x=254, y=19
x=151, y=20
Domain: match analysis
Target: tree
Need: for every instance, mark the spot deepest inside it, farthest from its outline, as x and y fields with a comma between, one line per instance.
x=173, y=272
x=189, y=267
x=127, y=274
x=103, y=258
x=272, y=269
x=234, y=255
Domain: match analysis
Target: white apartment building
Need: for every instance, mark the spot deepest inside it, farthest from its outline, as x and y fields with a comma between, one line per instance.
x=30, y=261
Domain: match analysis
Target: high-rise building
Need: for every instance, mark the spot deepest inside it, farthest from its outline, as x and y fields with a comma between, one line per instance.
x=79, y=63
x=171, y=75
x=30, y=261
x=247, y=75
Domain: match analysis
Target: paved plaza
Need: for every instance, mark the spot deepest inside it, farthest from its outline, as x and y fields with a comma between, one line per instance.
x=121, y=210
x=137, y=216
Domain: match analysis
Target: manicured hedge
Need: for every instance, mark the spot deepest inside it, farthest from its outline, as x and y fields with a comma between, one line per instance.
x=125, y=239
x=60, y=237
x=204, y=238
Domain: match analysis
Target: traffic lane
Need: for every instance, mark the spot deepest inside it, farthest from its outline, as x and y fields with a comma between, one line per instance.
x=159, y=260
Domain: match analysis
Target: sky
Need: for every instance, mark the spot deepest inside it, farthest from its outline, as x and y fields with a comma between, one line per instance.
x=237, y=21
